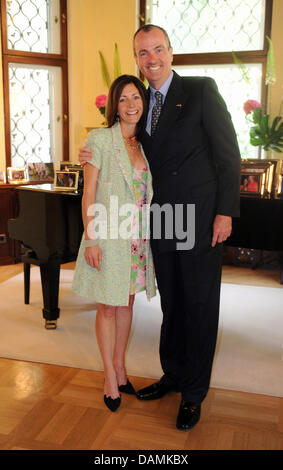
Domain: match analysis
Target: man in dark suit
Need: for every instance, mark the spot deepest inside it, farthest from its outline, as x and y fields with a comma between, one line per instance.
x=194, y=159
x=192, y=150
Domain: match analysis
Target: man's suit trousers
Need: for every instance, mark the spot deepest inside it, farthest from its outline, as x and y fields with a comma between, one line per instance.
x=189, y=285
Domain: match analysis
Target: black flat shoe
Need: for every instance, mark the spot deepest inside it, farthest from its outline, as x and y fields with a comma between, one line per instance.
x=112, y=403
x=156, y=390
x=127, y=388
x=188, y=416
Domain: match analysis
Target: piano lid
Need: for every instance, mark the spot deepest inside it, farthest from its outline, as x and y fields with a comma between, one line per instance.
x=49, y=222
x=47, y=187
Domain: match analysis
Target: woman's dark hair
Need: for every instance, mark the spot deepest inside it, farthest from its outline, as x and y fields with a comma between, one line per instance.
x=114, y=96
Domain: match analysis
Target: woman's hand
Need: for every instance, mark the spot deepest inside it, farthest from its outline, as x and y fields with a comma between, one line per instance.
x=93, y=256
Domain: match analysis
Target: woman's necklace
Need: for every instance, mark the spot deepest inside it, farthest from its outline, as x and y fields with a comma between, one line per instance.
x=132, y=142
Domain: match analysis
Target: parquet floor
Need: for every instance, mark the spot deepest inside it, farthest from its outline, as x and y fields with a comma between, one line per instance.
x=46, y=407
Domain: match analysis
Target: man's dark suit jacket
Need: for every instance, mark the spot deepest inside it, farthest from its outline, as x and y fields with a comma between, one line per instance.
x=194, y=155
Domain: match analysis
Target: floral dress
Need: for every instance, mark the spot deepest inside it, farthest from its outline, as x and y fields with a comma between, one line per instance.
x=138, y=244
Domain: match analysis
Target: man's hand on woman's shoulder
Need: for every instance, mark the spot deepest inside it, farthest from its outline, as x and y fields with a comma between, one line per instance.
x=85, y=155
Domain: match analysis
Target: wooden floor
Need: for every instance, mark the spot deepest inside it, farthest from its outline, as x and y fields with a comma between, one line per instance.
x=47, y=407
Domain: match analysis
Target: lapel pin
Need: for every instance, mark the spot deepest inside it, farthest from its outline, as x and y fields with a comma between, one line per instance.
x=179, y=105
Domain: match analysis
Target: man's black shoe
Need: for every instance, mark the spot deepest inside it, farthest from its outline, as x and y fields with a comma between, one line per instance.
x=188, y=416
x=156, y=390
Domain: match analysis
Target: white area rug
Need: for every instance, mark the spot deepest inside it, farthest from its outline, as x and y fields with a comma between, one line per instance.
x=249, y=355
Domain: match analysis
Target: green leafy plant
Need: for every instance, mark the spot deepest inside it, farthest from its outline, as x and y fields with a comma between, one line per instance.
x=263, y=132
x=244, y=70
x=104, y=68
x=100, y=100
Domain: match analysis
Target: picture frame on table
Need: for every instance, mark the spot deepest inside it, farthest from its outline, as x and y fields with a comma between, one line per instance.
x=70, y=166
x=278, y=192
x=66, y=180
x=64, y=166
x=17, y=174
x=257, y=177
x=40, y=171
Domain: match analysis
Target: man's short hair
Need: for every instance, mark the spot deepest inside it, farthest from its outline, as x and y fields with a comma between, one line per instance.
x=148, y=27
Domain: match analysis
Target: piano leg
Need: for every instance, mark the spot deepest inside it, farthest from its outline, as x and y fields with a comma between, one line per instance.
x=50, y=274
x=281, y=267
x=27, y=281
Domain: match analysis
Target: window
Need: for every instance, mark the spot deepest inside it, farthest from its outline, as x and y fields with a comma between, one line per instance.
x=34, y=54
x=204, y=33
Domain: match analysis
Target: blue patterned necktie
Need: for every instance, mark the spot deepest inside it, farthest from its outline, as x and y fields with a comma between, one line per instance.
x=156, y=110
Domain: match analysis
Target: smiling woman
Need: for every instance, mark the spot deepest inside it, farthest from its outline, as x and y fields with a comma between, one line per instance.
x=130, y=106
x=112, y=269
x=135, y=92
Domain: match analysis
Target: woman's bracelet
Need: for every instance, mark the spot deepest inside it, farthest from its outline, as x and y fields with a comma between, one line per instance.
x=89, y=243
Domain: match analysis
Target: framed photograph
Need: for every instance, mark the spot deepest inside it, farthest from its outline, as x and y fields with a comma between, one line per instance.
x=251, y=183
x=17, y=174
x=278, y=191
x=2, y=177
x=66, y=180
x=257, y=177
x=66, y=165
x=40, y=171
x=69, y=166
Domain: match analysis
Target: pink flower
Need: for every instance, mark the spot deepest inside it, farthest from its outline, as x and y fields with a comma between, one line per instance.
x=134, y=248
x=135, y=267
x=250, y=105
x=100, y=101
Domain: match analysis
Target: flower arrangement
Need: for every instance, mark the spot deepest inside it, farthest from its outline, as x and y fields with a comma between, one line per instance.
x=263, y=132
x=100, y=101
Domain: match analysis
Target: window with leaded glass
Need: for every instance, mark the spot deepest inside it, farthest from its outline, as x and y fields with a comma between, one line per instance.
x=211, y=38
x=34, y=53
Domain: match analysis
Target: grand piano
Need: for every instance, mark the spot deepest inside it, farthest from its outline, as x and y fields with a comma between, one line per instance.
x=49, y=226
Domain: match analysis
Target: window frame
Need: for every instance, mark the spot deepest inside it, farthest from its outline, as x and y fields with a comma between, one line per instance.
x=35, y=58
x=212, y=58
